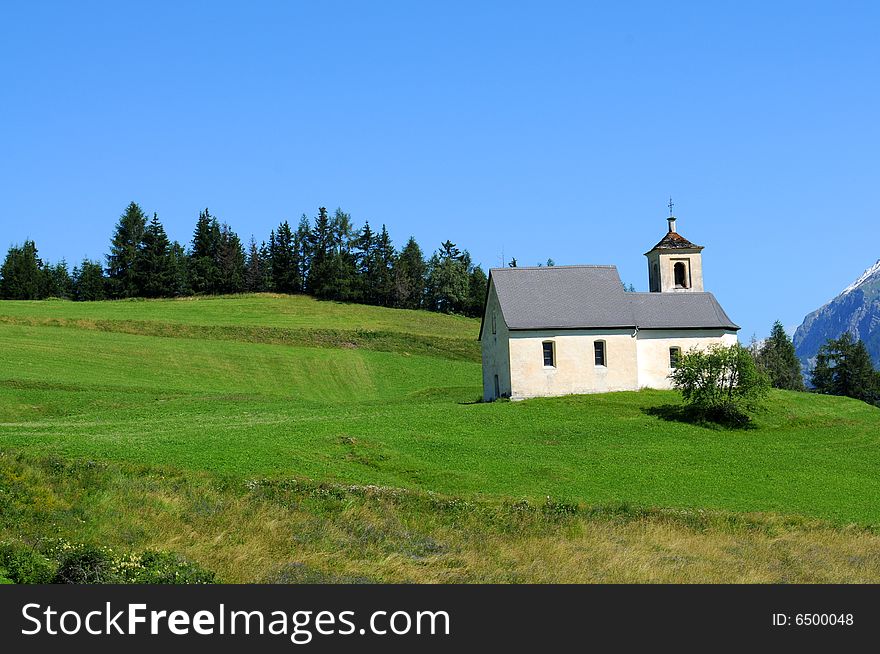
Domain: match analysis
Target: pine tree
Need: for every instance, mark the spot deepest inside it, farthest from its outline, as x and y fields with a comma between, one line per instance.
x=777, y=358
x=477, y=284
x=203, y=265
x=321, y=249
x=124, y=252
x=843, y=367
x=410, y=271
x=56, y=281
x=341, y=280
x=448, y=285
x=153, y=275
x=343, y=231
x=230, y=262
x=365, y=245
x=89, y=283
x=384, y=256
x=302, y=249
x=283, y=260
x=178, y=266
x=21, y=276
x=266, y=260
x=256, y=279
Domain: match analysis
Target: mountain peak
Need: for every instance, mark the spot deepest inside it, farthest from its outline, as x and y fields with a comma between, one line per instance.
x=855, y=312
x=866, y=276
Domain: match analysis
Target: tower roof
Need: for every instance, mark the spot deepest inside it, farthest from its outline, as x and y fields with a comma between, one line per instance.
x=673, y=240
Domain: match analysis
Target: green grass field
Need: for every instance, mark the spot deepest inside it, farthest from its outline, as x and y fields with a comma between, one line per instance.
x=276, y=388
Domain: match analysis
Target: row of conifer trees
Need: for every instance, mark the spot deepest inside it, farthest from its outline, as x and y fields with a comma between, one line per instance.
x=842, y=366
x=326, y=257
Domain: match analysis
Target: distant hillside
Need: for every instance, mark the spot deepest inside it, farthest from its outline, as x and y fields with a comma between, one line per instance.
x=855, y=310
x=293, y=320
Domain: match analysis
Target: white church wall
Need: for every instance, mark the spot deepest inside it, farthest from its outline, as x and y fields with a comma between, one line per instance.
x=653, y=351
x=575, y=371
x=495, y=350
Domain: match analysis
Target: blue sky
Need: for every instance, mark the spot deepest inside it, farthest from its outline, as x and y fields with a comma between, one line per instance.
x=546, y=129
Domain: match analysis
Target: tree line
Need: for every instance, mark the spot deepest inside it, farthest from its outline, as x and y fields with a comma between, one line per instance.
x=843, y=366
x=327, y=257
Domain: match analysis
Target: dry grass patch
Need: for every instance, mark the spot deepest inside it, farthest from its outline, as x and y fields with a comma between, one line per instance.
x=302, y=532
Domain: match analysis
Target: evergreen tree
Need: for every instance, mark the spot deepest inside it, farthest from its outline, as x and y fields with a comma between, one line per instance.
x=303, y=251
x=266, y=259
x=477, y=284
x=448, y=285
x=21, y=276
x=321, y=248
x=843, y=367
x=178, y=269
x=385, y=257
x=89, y=283
x=256, y=278
x=366, y=264
x=153, y=274
x=56, y=281
x=204, y=272
x=124, y=252
x=343, y=231
x=777, y=358
x=283, y=260
x=230, y=262
x=341, y=282
x=410, y=271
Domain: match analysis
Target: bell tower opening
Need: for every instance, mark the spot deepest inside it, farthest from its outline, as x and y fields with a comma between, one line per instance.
x=680, y=274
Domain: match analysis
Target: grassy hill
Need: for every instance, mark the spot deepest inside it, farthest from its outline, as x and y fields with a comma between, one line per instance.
x=240, y=395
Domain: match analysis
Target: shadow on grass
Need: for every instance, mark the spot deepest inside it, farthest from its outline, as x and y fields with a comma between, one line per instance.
x=691, y=416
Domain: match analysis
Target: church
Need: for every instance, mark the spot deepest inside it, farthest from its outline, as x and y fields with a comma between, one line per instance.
x=562, y=330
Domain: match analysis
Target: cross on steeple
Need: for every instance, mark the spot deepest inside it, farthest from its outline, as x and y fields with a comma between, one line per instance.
x=670, y=205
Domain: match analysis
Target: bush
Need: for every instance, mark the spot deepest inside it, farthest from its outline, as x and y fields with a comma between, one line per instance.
x=86, y=564
x=21, y=564
x=720, y=384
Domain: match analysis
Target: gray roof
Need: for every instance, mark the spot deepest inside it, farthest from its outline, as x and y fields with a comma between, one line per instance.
x=686, y=310
x=592, y=297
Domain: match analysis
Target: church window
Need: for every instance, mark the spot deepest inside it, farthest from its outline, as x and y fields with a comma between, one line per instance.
x=674, y=356
x=680, y=271
x=497, y=388
x=549, y=354
x=494, y=325
x=599, y=353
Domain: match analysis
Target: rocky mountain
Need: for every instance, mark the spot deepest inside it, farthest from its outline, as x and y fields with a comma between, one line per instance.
x=856, y=310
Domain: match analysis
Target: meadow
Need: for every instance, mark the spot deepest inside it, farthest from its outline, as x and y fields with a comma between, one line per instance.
x=243, y=421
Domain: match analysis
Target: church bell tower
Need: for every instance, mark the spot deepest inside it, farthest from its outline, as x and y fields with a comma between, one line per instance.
x=675, y=264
